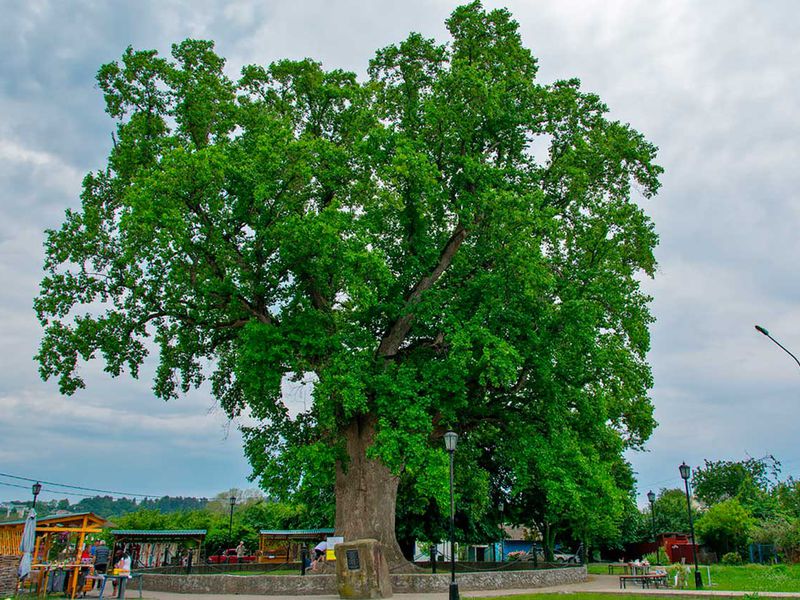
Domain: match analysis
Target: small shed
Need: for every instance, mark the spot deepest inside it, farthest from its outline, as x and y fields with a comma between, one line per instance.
x=158, y=547
x=283, y=545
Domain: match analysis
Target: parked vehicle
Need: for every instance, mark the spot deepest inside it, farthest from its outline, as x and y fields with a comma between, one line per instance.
x=566, y=557
x=229, y=557
x=559, y=556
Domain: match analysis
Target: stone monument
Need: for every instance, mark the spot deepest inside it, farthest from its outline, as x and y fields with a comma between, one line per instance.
x=362, y=570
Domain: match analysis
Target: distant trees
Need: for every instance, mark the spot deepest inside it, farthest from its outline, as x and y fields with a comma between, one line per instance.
x=248, y=518
x=670, y=507
x=112, y=507
x=169, y=504
x=736, y=503
x=108, y=506
x=750, y=481
x=725, y=527
x=787, y=495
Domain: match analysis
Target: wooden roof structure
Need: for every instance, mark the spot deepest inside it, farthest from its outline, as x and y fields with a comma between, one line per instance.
x=76, y=523
x=296, y=534
x=146, y=535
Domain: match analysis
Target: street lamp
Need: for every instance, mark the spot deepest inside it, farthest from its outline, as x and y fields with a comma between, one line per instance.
x=36, y=488
x=760, y=329
x=450, y=441
x=685, y=472
x=501, y=507
x=232, y=500
x=652, y=498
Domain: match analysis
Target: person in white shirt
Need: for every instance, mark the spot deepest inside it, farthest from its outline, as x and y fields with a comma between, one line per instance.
x=319, y=554
x=122, y=568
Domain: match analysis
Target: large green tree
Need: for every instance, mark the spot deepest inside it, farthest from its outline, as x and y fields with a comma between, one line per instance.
x=725, y=527
x=751, y=481
x=449, y=244
x=671, y=513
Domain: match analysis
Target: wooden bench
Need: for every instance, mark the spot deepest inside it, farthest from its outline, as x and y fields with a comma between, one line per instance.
x=645, y=579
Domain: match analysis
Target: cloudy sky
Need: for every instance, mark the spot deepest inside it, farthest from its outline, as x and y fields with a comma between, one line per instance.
x=715, y=84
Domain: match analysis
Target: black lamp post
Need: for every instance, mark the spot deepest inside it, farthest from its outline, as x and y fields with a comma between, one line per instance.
x=450, y=441
x=760, y=329
x=652, y=498
x=501, y=507
x=232, y=500
x=35, y=488
x=686, y=471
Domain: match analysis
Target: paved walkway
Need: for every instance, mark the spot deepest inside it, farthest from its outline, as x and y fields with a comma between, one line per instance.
x=597, y=583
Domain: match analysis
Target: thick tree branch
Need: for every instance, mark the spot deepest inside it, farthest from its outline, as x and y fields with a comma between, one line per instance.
x=397, y=333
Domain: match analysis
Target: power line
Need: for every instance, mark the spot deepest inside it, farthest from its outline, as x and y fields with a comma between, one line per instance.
x=16, y=485
x=78, y=487
x=45, y=490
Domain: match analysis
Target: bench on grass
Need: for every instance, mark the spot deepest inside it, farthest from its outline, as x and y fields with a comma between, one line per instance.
x=645, y=580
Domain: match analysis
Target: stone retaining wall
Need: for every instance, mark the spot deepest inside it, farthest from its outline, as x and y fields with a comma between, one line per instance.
x=292, y=585
x=8, y=574
x=219, y=569
x=296, y=585
x=488, y=580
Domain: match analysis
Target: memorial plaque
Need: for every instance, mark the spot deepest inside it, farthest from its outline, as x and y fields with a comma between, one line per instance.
x=362, y=570
x=353, y=562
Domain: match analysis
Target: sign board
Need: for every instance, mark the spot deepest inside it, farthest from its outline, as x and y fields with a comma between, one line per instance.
x=332, y=541
x=353, y=561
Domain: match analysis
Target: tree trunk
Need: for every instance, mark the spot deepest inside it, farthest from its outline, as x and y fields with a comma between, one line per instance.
x=548, y=539
x=366, y=495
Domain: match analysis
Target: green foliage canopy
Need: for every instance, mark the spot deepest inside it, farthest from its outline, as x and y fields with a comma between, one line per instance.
x=787, y=494
x=725, y=527
x=448, y=244
x=750, y=481
x=671, y=514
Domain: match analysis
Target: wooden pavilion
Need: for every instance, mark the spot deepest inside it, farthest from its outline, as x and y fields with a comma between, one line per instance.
x=283, y=545
x=75, y=525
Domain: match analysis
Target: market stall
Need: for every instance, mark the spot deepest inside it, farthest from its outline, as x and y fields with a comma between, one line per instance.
x=158, y=547
x=283, y=545
x=60, y=540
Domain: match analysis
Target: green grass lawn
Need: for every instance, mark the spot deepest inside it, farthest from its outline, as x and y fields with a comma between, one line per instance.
x=756, y=578
x=575, y=596
x=745, y=578
x=597, y=568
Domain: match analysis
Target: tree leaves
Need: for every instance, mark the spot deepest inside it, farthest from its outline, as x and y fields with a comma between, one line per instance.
x=405, y=239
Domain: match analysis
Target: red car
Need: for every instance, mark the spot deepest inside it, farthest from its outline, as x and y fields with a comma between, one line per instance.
x=229, y=557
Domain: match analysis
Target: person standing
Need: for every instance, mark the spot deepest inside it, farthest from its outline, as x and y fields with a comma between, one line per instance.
x=123, y=570
x=124, y=564
x=240, y=550
x=319, y=554
x=101, y=555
